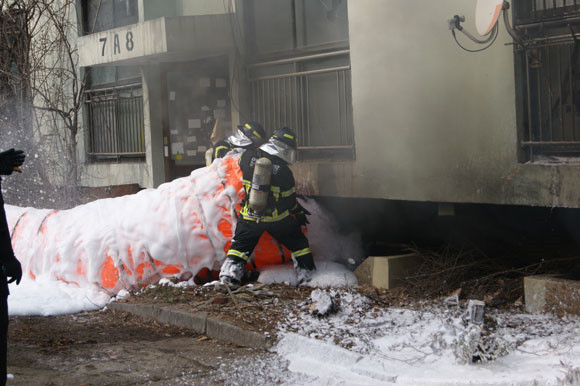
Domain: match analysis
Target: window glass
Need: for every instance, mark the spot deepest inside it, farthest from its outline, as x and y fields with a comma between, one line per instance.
x=322, y=22
x=287, y=25
x=109, y=14
x=272, y=24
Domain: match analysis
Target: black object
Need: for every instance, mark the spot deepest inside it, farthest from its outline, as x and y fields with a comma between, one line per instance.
x=13, y=270
x=9, y=160
x=301, y=219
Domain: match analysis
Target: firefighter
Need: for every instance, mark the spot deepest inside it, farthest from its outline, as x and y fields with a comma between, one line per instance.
x=248, y=136
x=282, y=216
x=11, y=270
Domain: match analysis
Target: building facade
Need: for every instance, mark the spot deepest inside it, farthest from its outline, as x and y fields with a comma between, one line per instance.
x=386, y=104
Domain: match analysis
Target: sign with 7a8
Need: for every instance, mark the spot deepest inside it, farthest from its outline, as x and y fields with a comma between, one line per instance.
x=119, y=44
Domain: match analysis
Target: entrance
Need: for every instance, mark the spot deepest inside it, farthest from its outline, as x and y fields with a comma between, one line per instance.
x=197, y=95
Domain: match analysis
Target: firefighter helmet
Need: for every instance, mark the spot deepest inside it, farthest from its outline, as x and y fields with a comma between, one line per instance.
x=251, y=133
x=282, y=144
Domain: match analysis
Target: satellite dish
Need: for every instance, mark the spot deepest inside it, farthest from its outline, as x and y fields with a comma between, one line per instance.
x=486, y=14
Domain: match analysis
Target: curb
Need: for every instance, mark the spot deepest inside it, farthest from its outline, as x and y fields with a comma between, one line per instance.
x=199, y=322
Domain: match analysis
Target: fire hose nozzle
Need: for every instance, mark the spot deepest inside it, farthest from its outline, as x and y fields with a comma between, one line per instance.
x=17, y=170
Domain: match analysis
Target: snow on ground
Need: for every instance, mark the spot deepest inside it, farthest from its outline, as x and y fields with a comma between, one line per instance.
x=433, y=345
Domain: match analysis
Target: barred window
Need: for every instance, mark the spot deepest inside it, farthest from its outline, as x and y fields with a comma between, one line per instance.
x=311, y=94
x=301, y=74
x=548, y=78
x=115, y=121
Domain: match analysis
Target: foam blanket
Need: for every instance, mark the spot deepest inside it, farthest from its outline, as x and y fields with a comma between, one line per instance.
x=184, y=226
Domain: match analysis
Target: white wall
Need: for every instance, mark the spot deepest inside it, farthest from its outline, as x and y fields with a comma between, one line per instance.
x=439, y=117
x=433, y=122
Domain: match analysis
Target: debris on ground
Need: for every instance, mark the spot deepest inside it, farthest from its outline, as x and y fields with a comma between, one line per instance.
x=323, y=303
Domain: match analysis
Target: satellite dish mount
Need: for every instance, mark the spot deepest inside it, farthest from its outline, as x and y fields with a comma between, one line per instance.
x=487, y=13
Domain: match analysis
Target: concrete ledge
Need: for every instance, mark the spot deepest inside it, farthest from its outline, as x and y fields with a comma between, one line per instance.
x=233, y=334
x=199, y=322
x=386, y=271
x=549, y=293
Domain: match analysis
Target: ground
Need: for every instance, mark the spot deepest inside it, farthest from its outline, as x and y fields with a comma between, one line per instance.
x=115, y=348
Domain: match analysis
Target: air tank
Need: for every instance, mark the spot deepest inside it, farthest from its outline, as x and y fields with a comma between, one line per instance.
x=260, y=184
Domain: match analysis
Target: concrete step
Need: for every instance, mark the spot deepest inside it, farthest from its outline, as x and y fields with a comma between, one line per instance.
x=197, y=321
x=387, y=271
x=552, y=294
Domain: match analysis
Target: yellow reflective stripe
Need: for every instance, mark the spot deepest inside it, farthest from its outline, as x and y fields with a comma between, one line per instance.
x=278, y=217
x=289, y=192
x=241, y=255
x=275, y=192
x=302, y=252
x=220, y=147
x=247, y=186
x=256, y=134
x=288, y=136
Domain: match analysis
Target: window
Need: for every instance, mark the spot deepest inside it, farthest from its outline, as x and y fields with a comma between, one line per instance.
x=310, y=94
x=303, y=80
x=548, y=78
x=286, y=25
x=114, y=101
x=115, y=118
x=103, y=15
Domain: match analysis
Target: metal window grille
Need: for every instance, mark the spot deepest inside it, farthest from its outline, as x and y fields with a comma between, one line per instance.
x=115, y=120
x=311, y=94
x=550, y=74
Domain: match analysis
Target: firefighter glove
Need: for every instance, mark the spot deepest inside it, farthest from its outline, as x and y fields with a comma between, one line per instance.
x=301, y=219
x=9, y=160
x=13, y=270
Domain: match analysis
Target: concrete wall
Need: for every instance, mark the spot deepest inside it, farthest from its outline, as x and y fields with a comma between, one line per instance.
x=433, y=122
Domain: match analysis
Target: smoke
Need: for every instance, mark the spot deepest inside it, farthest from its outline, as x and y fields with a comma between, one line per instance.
x=31, y=188
x=328, y=241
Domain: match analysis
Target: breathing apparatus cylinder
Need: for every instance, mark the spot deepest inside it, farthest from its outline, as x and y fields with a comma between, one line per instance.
x=260, y=184
x=208, y=156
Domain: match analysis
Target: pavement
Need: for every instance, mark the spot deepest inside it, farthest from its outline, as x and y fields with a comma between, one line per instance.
x=199, y=322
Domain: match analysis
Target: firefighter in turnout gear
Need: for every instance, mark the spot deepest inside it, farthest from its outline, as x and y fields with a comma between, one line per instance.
x=281, y=216
x=248, y=136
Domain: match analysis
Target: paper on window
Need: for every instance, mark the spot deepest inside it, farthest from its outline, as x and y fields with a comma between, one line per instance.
x=177, y=148
x=220, y=82
x=193, y=123
x=171, y=95
x=204, y=82
x=174, y=132
x=191, y=153
x=201, y=149
x=191, y=138
x=221, y=103
x=204, y=108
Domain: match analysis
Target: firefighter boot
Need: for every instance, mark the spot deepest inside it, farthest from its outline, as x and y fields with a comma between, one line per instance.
x=231, y=272
x=305, y=268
